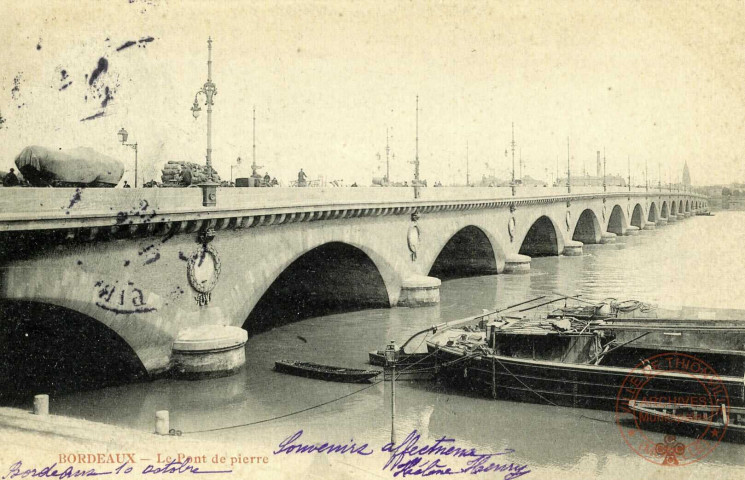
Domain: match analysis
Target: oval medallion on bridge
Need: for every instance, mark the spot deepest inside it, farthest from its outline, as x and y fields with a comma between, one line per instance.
x=413, y=239
x=203, y=269
x=511, y=228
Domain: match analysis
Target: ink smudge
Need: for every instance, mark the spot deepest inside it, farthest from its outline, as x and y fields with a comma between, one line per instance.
x=15, y=92
x=75, y=198
x=126, y=44
x=92, y=117
x=102, y=67
x=106, y=98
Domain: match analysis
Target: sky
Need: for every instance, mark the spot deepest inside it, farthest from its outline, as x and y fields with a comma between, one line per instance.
x=650, y=83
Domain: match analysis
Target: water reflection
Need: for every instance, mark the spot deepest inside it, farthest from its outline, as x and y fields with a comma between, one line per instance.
x=696, y=262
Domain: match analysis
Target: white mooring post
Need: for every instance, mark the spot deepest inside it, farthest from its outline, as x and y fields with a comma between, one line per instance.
x=162, y=426
x=41, y=405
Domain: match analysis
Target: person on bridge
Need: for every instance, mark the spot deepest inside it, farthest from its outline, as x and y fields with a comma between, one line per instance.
x=126, y=185
x=267, y=180
x=186, y=177
x=301, y=177
x=274, y=182
x=11, y=180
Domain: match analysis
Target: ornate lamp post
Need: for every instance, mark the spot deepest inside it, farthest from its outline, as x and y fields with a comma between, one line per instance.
x=123, y=134
x=513, y=185
x=416, y=154
x=605, y=185
x=237, y=164
x=209, y=90
x=391, y=352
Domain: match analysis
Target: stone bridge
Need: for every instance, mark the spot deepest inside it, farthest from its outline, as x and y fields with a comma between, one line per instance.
x=132, y=269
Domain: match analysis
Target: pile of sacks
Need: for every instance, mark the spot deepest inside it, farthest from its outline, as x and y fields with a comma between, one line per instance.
x=173, y=173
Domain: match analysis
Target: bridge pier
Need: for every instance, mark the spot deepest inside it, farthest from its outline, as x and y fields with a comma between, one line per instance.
x=681, y=216
x=608, y=237
x=631, y=230
x=672, y=218
x=419, y=291
x=209, y=351
x=661, y=222
x=650, y=226
x=573, y=248
x=516, y=263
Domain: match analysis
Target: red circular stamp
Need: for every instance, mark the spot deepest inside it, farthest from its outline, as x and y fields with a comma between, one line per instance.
x=672, y=409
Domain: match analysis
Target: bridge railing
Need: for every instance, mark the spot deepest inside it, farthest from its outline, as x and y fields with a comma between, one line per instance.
x=20, y=207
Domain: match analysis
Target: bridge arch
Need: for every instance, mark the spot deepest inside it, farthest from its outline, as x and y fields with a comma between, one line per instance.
x=542, y=239
x=53, y=349
x=637, y=216
x=617, y=222
x=688, y=207
x=328, y=278
x=673, y=208
x=653, y=215
x=468, y=252
x=587, y=229
x=664, y=212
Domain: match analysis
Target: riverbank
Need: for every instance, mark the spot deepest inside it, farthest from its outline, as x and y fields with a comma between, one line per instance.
x=60, y=442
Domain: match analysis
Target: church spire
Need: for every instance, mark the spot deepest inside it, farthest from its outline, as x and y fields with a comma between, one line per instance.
x=686, y=174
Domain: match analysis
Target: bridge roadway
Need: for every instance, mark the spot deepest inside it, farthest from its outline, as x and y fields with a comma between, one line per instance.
x=168, y=276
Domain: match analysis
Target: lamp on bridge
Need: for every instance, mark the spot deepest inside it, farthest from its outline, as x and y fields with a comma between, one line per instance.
x=391, y=354
x=123, y=134
x=209, y=90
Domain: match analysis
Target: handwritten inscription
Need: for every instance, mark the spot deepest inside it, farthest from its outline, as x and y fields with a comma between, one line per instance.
x=121, y=299
x=410, y=458
x=17, y=470
x=289, y=446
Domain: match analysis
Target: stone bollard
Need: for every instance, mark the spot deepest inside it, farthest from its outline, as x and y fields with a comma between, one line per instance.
x=41, y=405
x=162, y=426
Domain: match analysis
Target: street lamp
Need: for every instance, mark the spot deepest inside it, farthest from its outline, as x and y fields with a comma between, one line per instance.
x=416, y=154
x=391, y=354
x=209, y=90
x=237, y=164
x=123, y=134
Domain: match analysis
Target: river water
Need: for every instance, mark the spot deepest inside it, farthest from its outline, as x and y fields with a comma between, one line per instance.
x=697, y=262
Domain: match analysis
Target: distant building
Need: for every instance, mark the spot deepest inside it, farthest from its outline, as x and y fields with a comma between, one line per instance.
x=686, y=174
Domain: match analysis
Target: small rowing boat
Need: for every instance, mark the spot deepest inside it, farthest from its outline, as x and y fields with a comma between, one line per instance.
x=698, y=417
x=325, y=372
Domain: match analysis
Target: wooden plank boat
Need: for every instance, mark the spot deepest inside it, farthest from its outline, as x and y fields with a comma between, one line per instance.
x=325, y=372
x=544, y=361
x=687, y=415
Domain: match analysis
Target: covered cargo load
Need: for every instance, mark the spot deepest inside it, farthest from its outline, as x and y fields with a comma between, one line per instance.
x=78, y=167
x=183, y=174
